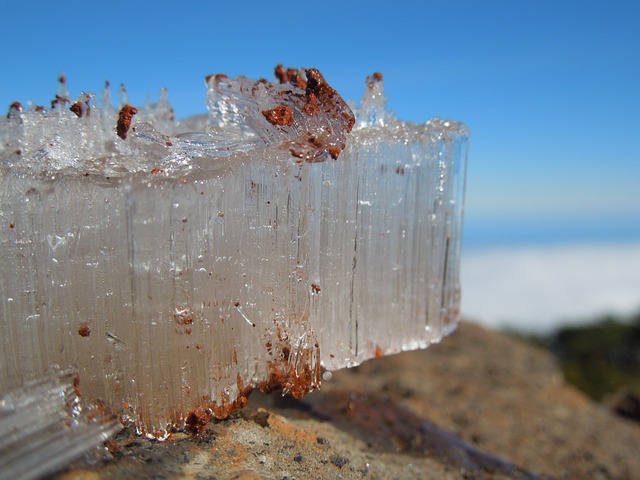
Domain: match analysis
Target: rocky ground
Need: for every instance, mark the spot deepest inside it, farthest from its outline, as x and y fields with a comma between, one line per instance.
x=479, y=405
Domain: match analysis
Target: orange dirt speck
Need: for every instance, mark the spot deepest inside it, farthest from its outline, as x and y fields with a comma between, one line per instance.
x=79, y=109
x=334, y=152
x=196, y=421
x=14, y=109
x=281, y=115
x=124, y=120
x=184, y=317
x=76, y=384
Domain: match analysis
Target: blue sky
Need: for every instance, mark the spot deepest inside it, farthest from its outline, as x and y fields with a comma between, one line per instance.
x=549, y=89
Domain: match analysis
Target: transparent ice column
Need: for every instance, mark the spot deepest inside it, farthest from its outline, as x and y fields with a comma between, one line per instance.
x=179, y=264
x=386, y=246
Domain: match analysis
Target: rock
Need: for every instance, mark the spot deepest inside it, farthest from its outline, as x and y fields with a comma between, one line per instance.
x=625, y=403
x=479, y=405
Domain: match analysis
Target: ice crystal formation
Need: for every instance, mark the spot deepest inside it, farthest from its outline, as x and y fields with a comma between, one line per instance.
x=180, y=264
x=44, y=426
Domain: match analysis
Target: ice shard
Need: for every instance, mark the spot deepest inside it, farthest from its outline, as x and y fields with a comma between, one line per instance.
x=44, y=426
x=180, y=264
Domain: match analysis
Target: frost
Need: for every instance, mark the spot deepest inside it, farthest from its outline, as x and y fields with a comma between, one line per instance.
x=180, y=264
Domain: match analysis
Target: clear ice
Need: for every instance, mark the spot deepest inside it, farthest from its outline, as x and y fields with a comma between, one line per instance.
x=180, y=264
x=44, y=426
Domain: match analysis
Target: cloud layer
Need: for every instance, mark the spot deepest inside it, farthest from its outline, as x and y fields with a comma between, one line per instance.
x=537, y=288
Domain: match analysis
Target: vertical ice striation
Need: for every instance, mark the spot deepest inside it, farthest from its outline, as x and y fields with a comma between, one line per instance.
x=387, y=237
x=44, y=425
x=180, y=264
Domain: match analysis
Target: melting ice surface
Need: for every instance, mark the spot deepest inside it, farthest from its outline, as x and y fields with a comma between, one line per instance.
x=180, y=264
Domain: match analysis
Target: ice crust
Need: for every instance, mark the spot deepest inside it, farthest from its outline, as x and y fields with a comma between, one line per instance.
x=194, y=260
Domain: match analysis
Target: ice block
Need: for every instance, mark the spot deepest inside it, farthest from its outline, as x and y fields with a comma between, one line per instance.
x=177, y=265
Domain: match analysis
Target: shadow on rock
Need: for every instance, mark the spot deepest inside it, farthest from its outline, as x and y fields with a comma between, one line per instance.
x=388, y=427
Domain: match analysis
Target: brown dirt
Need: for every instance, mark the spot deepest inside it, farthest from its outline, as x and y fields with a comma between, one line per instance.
x=478, y=405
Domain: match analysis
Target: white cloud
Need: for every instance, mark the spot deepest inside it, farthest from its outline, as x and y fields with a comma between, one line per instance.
x=536, y=288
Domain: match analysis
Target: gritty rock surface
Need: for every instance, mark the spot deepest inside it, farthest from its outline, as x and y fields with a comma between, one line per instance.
x=478, y=405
